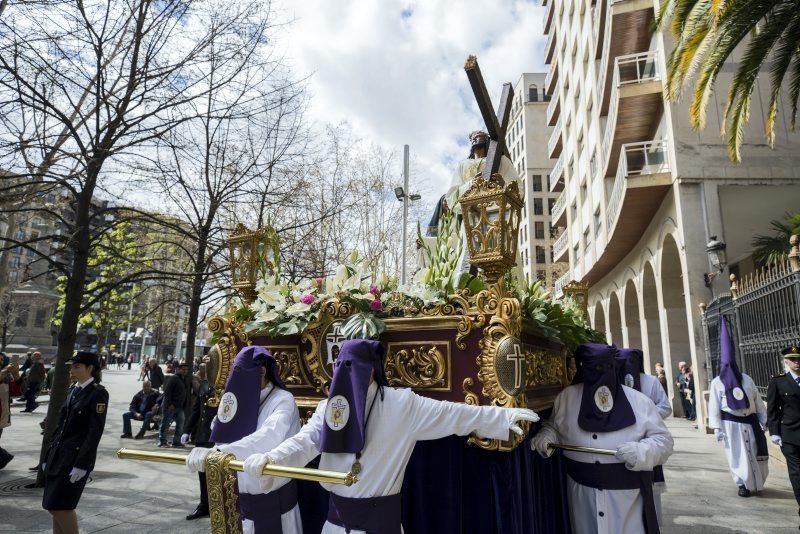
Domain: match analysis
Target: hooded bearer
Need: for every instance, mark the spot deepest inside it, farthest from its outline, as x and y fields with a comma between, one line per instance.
x=256, y=413
x=370, y=429
x=738, y=416
x=607, y=494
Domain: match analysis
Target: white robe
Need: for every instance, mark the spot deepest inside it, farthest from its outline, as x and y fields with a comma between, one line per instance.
x=653, y=389
x=278, y=419
x=393, y=428
x=622, y=509
x=740, y=443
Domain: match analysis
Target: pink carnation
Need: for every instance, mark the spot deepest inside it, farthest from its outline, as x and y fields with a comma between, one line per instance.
x=307, y=298
x=375, y=305
x=374, y=290
x=318, y=282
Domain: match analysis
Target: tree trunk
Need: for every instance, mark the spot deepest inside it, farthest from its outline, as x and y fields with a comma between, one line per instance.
x=69, y=318
x=196, y=297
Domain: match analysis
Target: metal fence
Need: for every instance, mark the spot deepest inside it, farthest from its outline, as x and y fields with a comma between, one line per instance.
x=763, y=312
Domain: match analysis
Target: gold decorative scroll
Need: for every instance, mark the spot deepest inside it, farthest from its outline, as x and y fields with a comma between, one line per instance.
x=290, y=365
x=223, y=501
x=419, y=365
x=545, y=368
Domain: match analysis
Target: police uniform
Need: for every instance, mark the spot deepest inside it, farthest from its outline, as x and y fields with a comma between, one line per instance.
x=783, y=418
x=74, y=444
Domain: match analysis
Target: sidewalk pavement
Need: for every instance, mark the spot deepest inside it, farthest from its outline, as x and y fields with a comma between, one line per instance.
x=126, y=496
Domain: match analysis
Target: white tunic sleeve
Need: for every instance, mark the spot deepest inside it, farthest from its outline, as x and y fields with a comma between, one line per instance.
x=432, y=419
x=303, y=447
x=656, y=446
x=267, y=436
x=714, y=406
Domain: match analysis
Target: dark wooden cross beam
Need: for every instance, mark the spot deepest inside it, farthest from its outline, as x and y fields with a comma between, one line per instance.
x=496, y=124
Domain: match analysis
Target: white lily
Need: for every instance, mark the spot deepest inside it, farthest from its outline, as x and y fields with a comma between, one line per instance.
x=267, y=316
x=298, y=308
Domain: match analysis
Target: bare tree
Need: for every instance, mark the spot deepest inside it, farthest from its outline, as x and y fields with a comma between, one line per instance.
x=85, y=87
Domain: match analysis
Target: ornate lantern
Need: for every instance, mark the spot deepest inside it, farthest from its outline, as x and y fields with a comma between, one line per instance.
x=580, y=293
x=491, y=219
x=247, y=251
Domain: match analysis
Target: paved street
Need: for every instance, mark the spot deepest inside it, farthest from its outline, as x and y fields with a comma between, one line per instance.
x=126, y=496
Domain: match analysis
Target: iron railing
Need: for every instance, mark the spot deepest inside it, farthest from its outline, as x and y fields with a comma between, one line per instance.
x=559, y=206
x=561, y=244
x=553, y=105
x=555, y=174
x=563, y=280
x=763, y=312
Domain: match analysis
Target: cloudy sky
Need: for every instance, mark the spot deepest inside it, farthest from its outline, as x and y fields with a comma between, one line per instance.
x=394, y=69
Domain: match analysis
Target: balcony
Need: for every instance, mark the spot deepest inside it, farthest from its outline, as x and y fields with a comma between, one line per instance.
x=560, y=247
x=550, y=47
x=558, y=288
x=548, y=16
x=644, y=177
x=554, y=144
x=559, y=215
x=637, y=105
x=552, y=76
x=557, y=175
x=554, y=109
x=628, y=30
x=599, y=24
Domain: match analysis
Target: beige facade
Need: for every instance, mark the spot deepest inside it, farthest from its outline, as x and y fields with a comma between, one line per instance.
x=642, y=192
x=527, y=138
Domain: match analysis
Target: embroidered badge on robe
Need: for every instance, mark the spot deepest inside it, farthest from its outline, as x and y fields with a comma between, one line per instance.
x=228, y=405
x=338, y=413
x=738, y=394
x=101, y=407
x=603, y=399
x=629, y=380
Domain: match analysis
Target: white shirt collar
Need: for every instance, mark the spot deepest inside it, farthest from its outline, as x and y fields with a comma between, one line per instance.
x=86, y=382
x=794, y=376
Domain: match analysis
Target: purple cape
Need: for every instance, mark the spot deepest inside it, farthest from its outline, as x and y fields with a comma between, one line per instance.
x=630, y=366
x=604, y=405
x=344, y=429
x=729, y=372
x=237, y=415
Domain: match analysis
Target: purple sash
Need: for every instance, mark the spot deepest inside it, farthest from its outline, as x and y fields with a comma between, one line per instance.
x=373, y=515
x=617, y=477
x=265, y=509
x=761, y=440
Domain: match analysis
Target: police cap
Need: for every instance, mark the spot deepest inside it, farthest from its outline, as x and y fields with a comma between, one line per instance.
x=791, y=352
x=86, y=358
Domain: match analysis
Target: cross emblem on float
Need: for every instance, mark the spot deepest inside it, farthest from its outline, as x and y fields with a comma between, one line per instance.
x=518, y=358
x=333, y=340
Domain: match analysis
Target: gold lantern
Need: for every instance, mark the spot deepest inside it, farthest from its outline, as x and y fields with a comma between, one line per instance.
x=491, y=220
x=247, y=252
x=579, y=292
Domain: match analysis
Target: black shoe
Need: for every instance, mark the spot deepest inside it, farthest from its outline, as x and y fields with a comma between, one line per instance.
x=178, y=446
x=200, y=511
x=744, y=492
x=140, y=435
x=163, y=446
x=33, y=468
x=5, y=458
x=126, y=436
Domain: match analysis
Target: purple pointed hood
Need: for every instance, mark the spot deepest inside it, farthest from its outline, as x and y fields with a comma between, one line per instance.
x=729, y=372
x=237, y=415
x=346, y=412
x=630, y=367
x=604, y=405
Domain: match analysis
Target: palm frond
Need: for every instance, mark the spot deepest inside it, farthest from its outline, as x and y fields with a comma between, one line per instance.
x=784, y=51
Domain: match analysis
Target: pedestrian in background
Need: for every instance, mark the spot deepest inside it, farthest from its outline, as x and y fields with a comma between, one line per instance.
x=783, y=415
x=73, y=450
x=8, y=375
x=198, y=429
x=155, y=374
x=172, y=406
x=690, y=395
x=680, y=381
x=140, y=409
x=35, y=378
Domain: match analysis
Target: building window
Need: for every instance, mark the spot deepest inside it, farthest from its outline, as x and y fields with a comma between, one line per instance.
x=538, y=229
x=41, y=317
x=540, y=255
x=541, y=275
x=597, y=223
x=22, y=316
x=547, y=182
x=537, y=206
x=587, y=238
x=533, y=93
x=14, y=262
x=537, y=182
x=550, y=203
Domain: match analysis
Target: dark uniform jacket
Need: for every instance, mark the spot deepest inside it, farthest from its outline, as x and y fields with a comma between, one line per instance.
x=783, y=408
x=80, y=427
x=156, y=376
x=175, y=392
x=149, y=401
x=199, y=423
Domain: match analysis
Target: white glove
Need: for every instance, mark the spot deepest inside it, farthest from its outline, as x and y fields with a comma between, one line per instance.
x=196, y=461
x=719, y=434
x=777, y=440
x=255, y=463
x=184, y=439
x=76, y=474
x=540, y=443
x=629, y=454
x=515, y=415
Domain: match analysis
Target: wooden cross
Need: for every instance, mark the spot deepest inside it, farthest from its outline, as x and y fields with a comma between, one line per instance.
x=496, y=124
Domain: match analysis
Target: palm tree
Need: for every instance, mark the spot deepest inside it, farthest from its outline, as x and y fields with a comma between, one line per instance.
x=771, y=248
x=708, y=31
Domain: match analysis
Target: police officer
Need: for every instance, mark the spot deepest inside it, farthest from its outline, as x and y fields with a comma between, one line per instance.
x=72, y=452
x=783, y=414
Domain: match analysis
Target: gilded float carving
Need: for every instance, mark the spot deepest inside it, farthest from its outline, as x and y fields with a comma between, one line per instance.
x=419, y=365
x=223, y=501
x=230, y=334
x=545, y=368
x=290, y=367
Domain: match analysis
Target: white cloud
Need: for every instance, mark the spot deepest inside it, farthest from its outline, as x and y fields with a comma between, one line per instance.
x=394, y=69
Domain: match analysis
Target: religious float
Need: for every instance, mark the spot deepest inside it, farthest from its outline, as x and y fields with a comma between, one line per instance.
x=482, y=339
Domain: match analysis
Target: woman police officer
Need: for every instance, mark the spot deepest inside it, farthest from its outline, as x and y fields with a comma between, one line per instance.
x=72, y=452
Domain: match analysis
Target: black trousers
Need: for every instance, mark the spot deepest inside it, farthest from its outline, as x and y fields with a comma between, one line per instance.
x=202, y=476
x=792, y=455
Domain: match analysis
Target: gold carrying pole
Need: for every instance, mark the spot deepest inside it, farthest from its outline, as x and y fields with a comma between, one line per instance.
x=299, y=473
x=576, y=448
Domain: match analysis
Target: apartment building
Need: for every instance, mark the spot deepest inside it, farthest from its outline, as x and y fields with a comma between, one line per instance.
x=526, y=139
x=641, y=193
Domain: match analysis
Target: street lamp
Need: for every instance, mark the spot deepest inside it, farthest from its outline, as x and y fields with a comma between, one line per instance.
x=717, y=258
x=400, y=193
